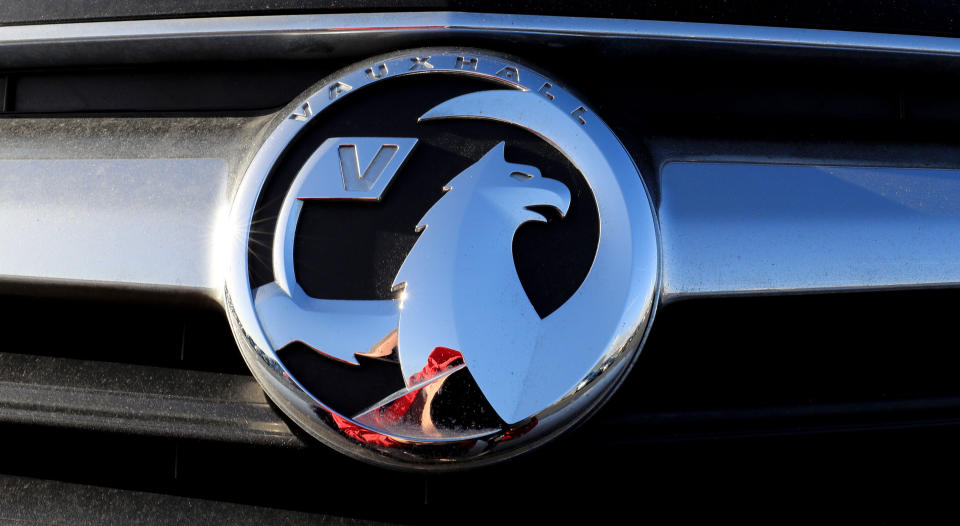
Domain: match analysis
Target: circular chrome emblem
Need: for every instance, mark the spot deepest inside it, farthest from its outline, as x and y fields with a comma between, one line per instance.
x=440, y=258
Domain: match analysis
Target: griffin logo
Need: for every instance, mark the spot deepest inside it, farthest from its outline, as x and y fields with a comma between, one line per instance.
x=453, y=362
x=457, y=282
x=460, y=285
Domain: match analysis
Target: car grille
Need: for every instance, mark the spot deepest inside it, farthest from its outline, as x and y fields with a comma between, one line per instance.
x=120, y=369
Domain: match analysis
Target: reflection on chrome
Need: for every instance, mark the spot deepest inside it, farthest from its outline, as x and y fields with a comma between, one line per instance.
x=479, y=375
x=467, y=295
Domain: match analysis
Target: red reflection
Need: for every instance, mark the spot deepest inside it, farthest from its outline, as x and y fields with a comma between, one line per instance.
x=414, y=407
x=520, y=430
x=440, y=360
x=363, y=434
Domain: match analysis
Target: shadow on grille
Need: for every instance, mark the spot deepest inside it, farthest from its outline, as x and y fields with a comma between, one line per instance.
x=152, y=370
x=152, y=398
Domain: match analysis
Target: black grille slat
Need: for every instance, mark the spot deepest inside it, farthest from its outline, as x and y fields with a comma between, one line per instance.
x=124, y=398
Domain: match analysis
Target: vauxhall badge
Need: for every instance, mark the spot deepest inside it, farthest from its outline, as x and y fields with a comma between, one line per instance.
x=440, y=258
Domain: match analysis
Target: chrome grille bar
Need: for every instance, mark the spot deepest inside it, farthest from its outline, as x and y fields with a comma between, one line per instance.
x=117, y=203
x=298, y=36
x=135, y=203
x=764, y=228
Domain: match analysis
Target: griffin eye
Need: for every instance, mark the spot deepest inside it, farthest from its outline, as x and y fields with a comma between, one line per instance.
x=521, y=176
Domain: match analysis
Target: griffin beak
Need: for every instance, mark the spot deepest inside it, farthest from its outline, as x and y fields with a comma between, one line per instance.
x=539, y=191
x=550, y=192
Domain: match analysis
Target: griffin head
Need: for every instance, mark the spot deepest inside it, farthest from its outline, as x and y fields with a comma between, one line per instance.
x=460, y=288
x=510, y=190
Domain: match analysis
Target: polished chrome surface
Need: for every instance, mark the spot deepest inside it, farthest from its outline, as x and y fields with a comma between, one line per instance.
x=101, y=176
x=555, y=372
x=733, y=228
x=111, y=221
x=337, y=328
x=142, y=203
x=621, y=281
x=299, y=36
x=454, y=293
x=113, y=203
x=366, y=166
x=333, y=171
x=176, y=144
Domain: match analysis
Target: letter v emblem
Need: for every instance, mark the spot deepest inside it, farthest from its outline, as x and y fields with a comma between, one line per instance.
x=353, y=167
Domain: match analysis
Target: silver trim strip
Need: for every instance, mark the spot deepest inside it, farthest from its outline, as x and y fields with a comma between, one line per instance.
x=730, y=228
x=285, y=34
x=118, y=203
x=32, y=148
x=148, y=222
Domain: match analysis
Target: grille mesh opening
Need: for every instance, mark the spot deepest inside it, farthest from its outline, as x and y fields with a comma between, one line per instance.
x=797, y=349
x=794, y=364
x=171, y=336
